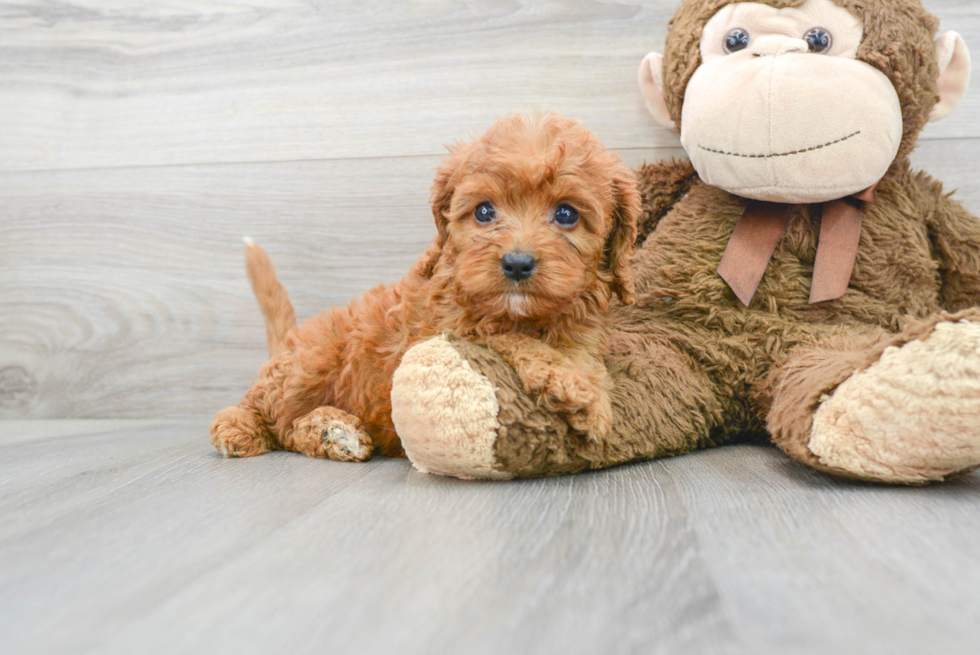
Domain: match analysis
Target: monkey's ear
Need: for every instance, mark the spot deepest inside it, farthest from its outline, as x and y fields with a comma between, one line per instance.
x=622, y=236
x=954, y=73
x=651, y=77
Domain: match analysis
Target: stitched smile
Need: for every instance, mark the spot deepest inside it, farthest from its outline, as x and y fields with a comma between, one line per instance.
x=783, y=154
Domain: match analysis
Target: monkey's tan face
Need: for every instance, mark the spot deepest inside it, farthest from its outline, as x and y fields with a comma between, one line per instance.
x=781, y=110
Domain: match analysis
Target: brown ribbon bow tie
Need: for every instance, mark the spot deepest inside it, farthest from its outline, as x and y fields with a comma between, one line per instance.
x=762, y=226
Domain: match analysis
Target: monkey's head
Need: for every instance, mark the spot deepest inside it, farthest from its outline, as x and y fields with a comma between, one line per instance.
x=802, y=100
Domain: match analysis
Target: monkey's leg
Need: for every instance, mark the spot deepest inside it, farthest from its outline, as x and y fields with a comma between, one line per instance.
x=902, y=408
x=461, y=410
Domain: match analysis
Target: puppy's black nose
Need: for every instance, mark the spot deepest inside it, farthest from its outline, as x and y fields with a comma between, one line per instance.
x=518, y=265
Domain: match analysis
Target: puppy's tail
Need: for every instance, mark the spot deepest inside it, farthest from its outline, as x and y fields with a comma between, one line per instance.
x=280, y=317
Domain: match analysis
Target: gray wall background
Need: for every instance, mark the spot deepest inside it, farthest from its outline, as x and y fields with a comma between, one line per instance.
x=138, y=144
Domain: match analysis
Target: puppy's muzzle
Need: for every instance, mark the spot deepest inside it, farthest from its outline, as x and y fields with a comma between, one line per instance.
x=518, y=265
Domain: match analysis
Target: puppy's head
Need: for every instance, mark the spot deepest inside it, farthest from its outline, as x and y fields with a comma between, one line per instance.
x=535, y=215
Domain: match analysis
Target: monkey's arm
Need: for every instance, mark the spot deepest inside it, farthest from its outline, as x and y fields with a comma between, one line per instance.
x=661, y=184
x=955, y=236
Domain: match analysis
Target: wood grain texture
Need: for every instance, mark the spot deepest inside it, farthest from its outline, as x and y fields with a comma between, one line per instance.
x=120, y=282
x=134, y=536
x=93, y=84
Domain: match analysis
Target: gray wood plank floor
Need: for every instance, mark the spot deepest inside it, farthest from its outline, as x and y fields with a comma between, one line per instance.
x=127, y=536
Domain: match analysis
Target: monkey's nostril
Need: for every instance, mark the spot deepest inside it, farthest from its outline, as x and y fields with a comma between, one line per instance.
x=518, y=265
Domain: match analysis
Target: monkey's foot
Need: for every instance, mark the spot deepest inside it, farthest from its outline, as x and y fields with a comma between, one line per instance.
x=446, y=413
x=913, y=416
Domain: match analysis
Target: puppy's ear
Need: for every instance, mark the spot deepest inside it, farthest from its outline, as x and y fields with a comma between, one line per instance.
x=441, y=195
x=425, y=267
x=622, y=236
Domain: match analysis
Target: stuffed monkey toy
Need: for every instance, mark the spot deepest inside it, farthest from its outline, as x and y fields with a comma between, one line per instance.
x=795, y=277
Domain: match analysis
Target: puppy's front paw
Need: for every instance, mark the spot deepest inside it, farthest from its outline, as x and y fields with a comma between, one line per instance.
x=560, y=389
x=595, y=419
x=569, y=392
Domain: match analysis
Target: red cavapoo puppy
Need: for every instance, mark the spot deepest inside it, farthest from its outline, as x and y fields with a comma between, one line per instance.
x=536, y=222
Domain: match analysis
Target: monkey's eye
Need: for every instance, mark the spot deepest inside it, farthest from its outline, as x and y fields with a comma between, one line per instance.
x=819, y=40
x=484, y=213
x=737, y=39
x=566, y=216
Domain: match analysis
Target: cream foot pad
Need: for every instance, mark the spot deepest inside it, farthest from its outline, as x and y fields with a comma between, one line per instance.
x=445, y=413
x=913, y=416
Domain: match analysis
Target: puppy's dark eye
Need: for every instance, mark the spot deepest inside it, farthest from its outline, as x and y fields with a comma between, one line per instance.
x=566, y=216
x=484, y=213
x=819, y=40
x=737, y=39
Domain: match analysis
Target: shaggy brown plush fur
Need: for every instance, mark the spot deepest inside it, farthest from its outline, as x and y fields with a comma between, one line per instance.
x=325, y=392
x=691, y=365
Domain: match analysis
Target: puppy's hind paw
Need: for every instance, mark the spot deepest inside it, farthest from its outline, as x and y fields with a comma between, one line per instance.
x=346, y=443
x=330, y=433
x=238, y=433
